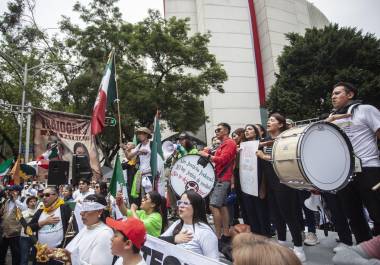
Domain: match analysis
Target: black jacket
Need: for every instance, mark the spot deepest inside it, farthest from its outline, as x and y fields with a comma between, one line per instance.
x=65, y=216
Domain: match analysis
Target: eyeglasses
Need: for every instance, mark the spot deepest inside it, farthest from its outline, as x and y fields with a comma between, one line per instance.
x=183, y=203
x=48, y=194
x=218, y=130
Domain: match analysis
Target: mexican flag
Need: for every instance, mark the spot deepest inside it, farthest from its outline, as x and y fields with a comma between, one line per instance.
x=156, y=155
x=43, y=160
x=106, y=96
x=117, y=182
x=5, y=166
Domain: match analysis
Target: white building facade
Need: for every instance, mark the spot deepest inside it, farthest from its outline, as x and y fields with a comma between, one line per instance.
x=247, y=36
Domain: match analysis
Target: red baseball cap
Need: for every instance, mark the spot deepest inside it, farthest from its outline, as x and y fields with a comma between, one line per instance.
x=132, y=228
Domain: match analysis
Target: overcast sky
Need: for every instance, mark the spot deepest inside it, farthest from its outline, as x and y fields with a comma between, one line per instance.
x=363, y=14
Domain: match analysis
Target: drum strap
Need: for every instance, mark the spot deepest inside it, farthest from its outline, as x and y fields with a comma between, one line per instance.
x=226, y=167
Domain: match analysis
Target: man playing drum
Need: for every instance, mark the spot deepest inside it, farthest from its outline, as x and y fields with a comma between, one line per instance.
x=223, y=158
x=361, y=123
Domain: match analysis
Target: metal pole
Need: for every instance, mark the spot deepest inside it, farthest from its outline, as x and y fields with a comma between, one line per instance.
x=22, y=108
x=27, y=140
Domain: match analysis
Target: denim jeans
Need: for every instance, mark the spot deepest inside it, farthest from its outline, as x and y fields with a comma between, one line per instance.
x=26, y=248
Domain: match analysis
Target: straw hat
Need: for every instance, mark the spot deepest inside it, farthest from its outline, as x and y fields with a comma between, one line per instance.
x=144, y=130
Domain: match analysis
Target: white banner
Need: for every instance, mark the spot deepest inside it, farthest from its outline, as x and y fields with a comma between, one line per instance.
x=158, y=252
x=248, y=167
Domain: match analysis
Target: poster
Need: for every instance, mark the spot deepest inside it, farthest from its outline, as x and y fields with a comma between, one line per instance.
x=72, y=132
x=248, y=167
x=156, y=251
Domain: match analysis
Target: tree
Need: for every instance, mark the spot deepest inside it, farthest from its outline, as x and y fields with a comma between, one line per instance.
x=159, y=66
x=20, y=41
x=311, y=64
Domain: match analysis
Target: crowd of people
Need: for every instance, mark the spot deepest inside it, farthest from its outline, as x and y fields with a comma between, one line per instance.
x=74, y=223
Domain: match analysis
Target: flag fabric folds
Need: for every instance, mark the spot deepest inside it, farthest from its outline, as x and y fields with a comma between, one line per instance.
x=156, y=155
x=106, y=96
x=117, y=182
x=5, y=166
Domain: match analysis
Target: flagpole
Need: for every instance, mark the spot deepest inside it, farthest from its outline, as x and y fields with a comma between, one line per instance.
x=117, y=99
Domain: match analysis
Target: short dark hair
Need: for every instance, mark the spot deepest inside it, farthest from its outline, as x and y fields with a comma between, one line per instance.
x=85, y=180
x=348, y=87
x=31, y=198
x=225, y=125
x=135, y=249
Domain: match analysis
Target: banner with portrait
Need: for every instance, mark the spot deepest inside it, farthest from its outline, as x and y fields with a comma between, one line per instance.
x=248, y=167
x=72, y=132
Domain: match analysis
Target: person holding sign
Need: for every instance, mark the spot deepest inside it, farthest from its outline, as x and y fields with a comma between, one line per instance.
x=192, y=231
x=283, y=200
x=255, y=205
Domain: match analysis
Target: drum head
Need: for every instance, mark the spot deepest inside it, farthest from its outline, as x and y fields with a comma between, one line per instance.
x=326, y=156
x=188, y=174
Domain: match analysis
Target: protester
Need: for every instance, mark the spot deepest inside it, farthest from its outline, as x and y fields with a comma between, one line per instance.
x=361, y=123
x=192, y=231
x=10, y=226
x=68, y=193
x=152, y=212
x=26, y=244
x=101, y=188
x=188, y=147
x=250, y=249
x=224, y=159
x=83, y=191
x=129, y=237
x=256, y=207
x=92, y=245
x=283, y=200
x=52, y=222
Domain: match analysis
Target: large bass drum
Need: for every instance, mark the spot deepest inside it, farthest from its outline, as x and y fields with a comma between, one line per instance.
x=316, y=156
x=192, y=172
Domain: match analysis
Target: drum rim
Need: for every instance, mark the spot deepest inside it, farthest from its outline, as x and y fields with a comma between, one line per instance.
x=170, y=179
x=350, y=149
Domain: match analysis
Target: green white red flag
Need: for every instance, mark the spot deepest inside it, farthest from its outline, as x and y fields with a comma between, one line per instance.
x=106, y=96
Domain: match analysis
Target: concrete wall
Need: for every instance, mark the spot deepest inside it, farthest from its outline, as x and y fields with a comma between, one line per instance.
x=229, y=22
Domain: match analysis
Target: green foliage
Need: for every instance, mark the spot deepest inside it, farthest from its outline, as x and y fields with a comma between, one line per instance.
x=20, y=43
x=310, y=65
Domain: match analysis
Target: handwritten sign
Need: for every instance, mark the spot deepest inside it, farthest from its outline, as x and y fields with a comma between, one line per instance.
x=188, y=174
x=248, y=167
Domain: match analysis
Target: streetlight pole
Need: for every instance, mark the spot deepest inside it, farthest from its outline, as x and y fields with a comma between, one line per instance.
x=25, y=81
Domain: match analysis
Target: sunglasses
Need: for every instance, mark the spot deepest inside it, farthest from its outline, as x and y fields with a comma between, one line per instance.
x=218, y=130
x=183, y=203
x=97, y=187
x=48, y=194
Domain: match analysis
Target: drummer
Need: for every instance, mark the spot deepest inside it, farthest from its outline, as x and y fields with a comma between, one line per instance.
x=362, y=125
x=283, y=200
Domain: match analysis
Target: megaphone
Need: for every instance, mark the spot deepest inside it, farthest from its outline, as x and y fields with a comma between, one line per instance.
x=314, y=202
x=168, y=149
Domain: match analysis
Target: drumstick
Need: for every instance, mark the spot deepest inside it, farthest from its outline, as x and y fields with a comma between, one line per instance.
x=376, y=187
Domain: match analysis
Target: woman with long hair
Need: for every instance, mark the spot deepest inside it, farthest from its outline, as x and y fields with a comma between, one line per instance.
x=192, y=231
x=283, y=200
x=256, y=207
x=153, y=212
x=101, y=188
x=238, y=137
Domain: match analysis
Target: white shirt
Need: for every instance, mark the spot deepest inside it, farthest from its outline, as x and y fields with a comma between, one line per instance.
x=144, y=158
x=28, y=215
x=52, y=234
x=119, y=261
x=92, y=246
x=204, y=240
x=361, y=129
x=79, y=196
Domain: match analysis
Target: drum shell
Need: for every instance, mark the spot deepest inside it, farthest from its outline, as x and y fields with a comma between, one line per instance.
x=285, y=159
x=289, y=160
